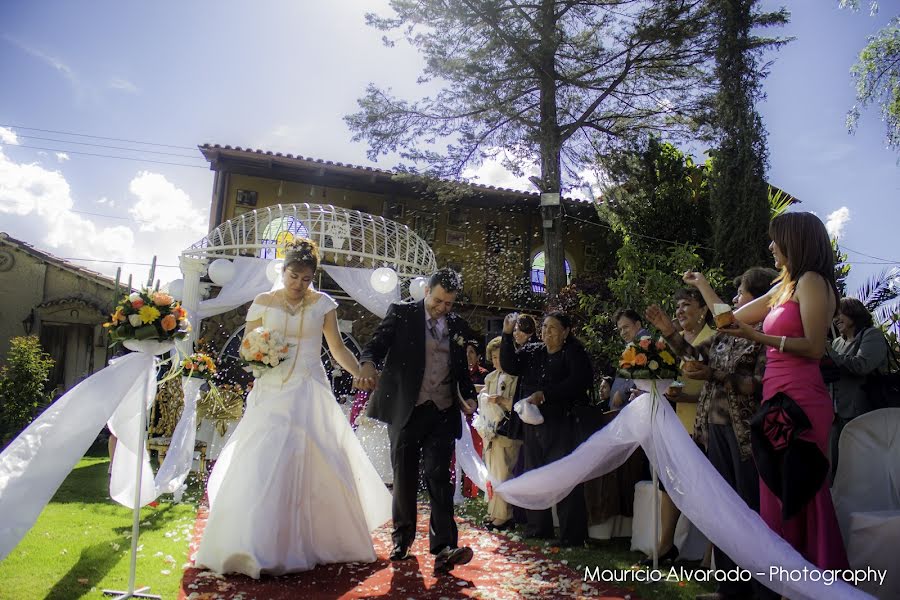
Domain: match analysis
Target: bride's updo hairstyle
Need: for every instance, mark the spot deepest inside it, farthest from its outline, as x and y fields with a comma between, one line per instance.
x=303, y=251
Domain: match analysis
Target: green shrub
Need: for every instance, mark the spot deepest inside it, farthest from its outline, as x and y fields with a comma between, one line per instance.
x=23, y=382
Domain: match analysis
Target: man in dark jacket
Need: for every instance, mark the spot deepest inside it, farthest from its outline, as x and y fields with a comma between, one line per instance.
x=423, y=386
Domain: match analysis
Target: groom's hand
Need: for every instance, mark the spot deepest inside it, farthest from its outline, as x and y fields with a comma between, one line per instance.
x=468, y=406
x=368, y=377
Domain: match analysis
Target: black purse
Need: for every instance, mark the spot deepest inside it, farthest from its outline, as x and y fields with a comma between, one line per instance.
x=883, y=389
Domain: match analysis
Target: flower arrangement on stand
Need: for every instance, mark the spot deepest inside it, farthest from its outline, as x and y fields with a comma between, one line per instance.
x=644, y=358
x=263, y=349
x=148, y=315
x=199, y=365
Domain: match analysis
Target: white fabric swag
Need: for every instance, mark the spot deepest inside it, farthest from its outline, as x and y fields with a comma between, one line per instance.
x=694, y=486
x=250, y=280
x=35, y=464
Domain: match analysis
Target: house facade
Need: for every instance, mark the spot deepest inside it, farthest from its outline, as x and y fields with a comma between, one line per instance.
x=63, y=304
x=492, y=236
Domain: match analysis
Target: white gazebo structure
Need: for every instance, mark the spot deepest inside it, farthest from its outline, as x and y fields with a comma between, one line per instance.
x=352, y=245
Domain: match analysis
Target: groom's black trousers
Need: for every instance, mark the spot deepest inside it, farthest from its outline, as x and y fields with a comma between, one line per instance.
x=429, y=436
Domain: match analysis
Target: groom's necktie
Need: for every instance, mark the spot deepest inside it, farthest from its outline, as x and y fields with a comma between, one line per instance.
x=432, y=329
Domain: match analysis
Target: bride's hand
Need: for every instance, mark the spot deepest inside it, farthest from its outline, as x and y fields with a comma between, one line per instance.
x=368, y=377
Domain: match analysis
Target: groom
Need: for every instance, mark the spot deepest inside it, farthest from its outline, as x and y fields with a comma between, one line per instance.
x=423, y=386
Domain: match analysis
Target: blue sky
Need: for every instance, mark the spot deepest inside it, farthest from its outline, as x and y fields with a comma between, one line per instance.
x=279, y=75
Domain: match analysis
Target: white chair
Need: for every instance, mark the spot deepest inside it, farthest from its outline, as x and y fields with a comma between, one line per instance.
x=866, y=495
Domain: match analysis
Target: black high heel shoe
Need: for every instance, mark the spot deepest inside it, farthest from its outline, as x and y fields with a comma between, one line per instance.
x=670, y=556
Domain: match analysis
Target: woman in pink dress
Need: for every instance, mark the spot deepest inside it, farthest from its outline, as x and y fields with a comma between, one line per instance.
x=796, y=314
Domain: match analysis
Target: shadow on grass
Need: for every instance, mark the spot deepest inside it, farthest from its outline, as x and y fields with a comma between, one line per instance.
x=96, y=561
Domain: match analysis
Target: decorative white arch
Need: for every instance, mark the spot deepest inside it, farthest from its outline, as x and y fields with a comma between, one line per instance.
x=351, y=244
x=345, y=237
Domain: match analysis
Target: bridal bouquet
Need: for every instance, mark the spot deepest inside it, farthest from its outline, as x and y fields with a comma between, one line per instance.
x=263, y=349
x=200, y=365
x=645, y=359
x=148, y=315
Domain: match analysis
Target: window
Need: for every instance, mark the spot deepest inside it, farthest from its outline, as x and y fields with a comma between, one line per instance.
x=246, y=198
x=280, y=232
x=538, y=280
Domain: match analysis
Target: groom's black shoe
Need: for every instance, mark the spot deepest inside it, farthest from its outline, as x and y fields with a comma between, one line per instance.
x=400, y=553
x=452, y=557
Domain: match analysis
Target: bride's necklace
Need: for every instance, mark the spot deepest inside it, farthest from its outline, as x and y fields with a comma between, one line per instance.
x=291, y=307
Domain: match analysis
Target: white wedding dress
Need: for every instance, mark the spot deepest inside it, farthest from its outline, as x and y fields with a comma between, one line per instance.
x=292, y=488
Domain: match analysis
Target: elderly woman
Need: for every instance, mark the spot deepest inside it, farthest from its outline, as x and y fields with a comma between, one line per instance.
x=555, y=375
x=731, y=373
x=500, y=452
x=859, y=350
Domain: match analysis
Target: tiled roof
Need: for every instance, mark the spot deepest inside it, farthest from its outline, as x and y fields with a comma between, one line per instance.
x=8, y=240
x=366, y=170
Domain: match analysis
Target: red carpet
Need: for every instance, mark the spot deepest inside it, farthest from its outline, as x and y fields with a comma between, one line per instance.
x=502, y=569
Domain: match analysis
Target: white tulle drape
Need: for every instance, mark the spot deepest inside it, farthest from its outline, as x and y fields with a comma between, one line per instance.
x=694, y=486
x=357, y=284
x=250, y=280
x=35, y=464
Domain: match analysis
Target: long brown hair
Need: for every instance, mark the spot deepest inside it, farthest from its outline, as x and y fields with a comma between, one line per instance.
x=804, y=241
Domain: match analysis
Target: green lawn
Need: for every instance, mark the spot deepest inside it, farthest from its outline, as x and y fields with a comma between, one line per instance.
x=81, y=542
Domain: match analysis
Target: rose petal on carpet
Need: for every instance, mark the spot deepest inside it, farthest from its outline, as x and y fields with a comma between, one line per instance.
x=501, y=569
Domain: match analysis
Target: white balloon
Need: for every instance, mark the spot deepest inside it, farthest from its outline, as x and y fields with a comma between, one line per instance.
x=384, y=280
x=176, y=289
x=273, y=269
x=417, y=288
x=220, y=271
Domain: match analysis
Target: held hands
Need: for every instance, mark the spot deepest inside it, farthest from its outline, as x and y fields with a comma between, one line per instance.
x=468, y=406
x=368, y=377
x=659, y=319
x=509, y=323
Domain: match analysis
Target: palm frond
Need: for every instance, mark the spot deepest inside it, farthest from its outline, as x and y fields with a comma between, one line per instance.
x=880, y=294
x=779, y=202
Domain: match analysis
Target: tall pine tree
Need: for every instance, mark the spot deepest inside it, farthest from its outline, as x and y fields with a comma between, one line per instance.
x=738, y=189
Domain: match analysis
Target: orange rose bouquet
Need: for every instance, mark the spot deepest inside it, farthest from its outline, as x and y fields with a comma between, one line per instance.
x=199, y=365
x=644, y=358
x=148, y=315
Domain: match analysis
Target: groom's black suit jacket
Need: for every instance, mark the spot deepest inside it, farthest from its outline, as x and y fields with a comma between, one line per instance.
x=399, y=342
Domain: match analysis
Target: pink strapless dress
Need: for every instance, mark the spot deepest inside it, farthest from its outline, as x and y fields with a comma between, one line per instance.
x=814, y=532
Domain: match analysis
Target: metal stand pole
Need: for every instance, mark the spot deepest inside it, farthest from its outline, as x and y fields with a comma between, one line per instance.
x=654, y=401
x=136, y=511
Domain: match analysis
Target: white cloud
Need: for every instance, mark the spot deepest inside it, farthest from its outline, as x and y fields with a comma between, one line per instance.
x=106, y=202
x=37, y=206
x=123, y=85
x=163, y=207
x=62, y=156
x=8, y=136
x=836, y=221
x=493, y=172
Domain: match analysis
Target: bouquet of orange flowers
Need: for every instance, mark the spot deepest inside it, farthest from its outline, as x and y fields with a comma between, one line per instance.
x=148, y=315
x=199, y=364
x=645, y=359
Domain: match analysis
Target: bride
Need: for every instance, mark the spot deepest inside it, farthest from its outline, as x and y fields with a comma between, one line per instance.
x=293, y=488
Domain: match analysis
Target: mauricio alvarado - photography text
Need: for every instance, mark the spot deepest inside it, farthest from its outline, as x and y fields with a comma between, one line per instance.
x=775, y=573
